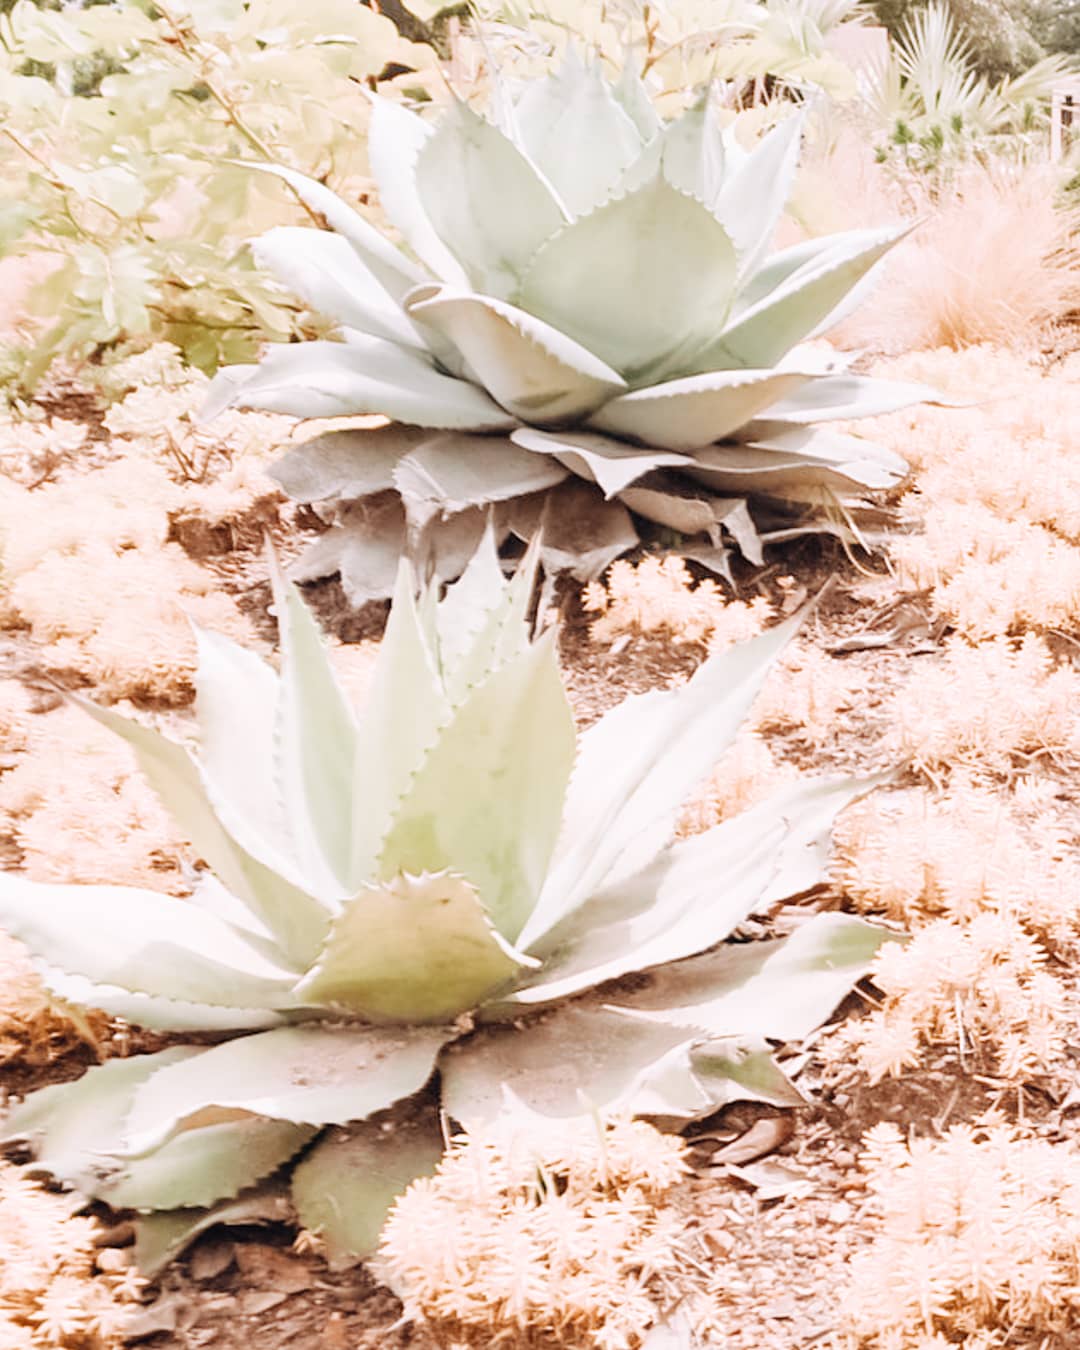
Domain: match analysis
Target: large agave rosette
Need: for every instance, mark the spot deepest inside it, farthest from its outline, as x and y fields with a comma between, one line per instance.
x=423, y=891
x=588, y=333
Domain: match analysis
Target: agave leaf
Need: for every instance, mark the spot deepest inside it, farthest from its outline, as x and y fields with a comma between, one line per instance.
x=310, y=1075
x=346, y=1186
x=484, y=199
x=786, y=474
x=688, y=413
x=469, y=604
x=839, y=397
x=160, y=1238
x=297, y=920
x=761, y=334
x=633, y=97
x=471, y=649
x=315, y=740
x=76, y=1130
x=138, y=940
x=577, y=134
x=533, y=370
x=236, y=736
x=400, y=721
x=395, y=138
x=873, y=465
x=414, y=949
x=781, y=266
x=637, y=766
x=328, y=274
x=365, y=545
x=695, y=893
x=693, y=154
x=70, y=1126
x=154, y=1014
x=366, y=375
x=394, y=272
x=222, y=390
x=583, y=1058
x=454, y=470
x=670, y=503
x=781, y=988
x=344, y=465
x=612, y=465
x=637, y=281
x=487, y=801
x=579, y=532
x=200, y=1167
x=440, y=546
x=752, y=199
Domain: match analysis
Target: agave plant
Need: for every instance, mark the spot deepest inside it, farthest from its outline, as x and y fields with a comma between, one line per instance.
x=426, y=891
x=939, y=110
x=592, y=337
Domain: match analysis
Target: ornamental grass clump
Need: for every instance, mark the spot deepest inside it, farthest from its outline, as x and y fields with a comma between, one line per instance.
x=435, y=882
x=589, y=334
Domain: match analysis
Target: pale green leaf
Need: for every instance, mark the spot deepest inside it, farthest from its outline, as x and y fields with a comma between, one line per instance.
x=144, y=942
x=577, y=134
x=344, y=465
x=688, y=413
x=470, y=604
x=785, y=473
x=154, y=1014
x=633, y=97
x=297, y=919
x=204, y=1165
x=579, y=531
x=455, y=470
x=328, y=274
x=530, y=368
x=488, y=799
x=77, y=1129
x=315, y=740
x=346, y=1186
x=396, y=273
x=781, y=989
x=160, y=1238
x=413, y=949
x=583, y=1059
x=71, y=1126
x=835, y=397
x=871, y=464
x=484, y=199
x=366, y=375
x=365, y=544
x=399, y=722
x=482, y=624
x=613, y=465
x=753, y=197
x=693, y=154
x=311, y=1075
x=780, y=266
x=696, y=892
x=395, y=138
x=639, y=282
x=761, y=334
x=637, y=766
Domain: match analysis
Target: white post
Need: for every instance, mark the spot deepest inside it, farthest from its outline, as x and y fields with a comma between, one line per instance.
x=1057, y=118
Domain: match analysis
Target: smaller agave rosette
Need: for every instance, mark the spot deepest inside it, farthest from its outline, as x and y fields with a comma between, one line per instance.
x=588, y=339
